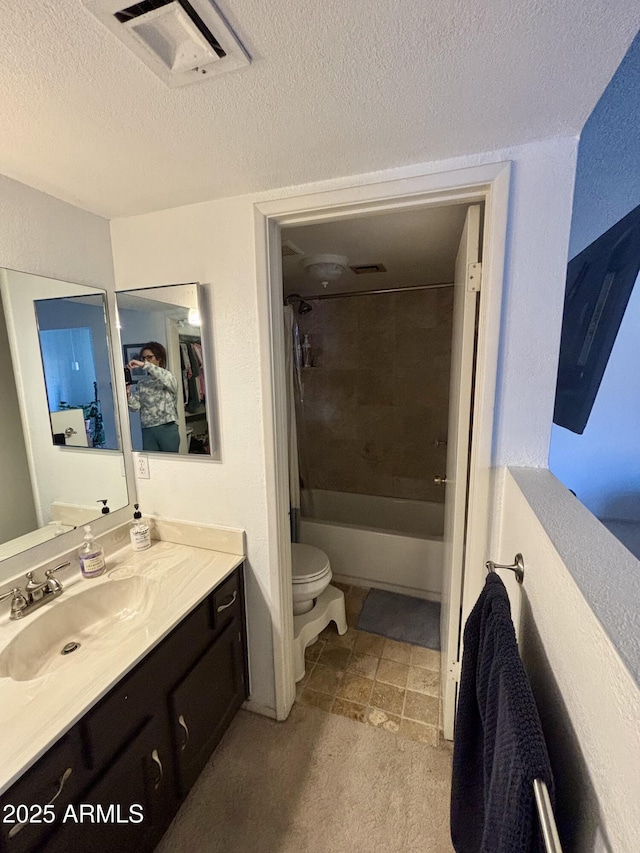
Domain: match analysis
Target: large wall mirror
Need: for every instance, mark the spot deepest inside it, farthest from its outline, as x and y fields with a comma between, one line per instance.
x=60, y=455
x=165, y=357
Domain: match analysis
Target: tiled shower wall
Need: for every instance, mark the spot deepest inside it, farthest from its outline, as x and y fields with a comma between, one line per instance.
x=376, y=397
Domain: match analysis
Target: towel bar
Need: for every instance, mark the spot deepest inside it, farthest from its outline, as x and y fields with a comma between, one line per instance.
x=547, y=820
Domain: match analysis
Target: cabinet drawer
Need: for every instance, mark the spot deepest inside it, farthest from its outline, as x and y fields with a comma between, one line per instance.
x=56, y=780
x=226, y=601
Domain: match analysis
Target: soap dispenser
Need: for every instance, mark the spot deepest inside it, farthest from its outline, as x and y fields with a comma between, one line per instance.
x=91, y=556
x=140, y=534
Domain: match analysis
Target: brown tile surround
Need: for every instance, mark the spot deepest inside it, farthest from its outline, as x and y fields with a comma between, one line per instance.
x=376, y=398
x=373, y=680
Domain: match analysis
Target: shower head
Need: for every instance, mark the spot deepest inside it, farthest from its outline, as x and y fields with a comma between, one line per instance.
x=303, y=307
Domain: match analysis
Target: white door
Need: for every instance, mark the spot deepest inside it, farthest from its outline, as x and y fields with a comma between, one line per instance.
x=467, y=277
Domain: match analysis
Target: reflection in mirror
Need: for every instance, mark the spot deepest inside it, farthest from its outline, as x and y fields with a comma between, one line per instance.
x=77, y=373
x=164, y=358
x=51, y=489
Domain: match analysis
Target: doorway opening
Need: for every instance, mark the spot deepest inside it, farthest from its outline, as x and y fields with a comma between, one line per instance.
x=371, y=374
x=278, y=224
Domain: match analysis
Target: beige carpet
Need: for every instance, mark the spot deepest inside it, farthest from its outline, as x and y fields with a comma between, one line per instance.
x=317, y=783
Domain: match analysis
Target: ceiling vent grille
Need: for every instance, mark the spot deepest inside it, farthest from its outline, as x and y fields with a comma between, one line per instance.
x=290, y=250
x=182, y=41
x=366, y=269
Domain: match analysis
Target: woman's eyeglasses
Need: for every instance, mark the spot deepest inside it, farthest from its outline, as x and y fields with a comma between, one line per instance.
x=147, y=357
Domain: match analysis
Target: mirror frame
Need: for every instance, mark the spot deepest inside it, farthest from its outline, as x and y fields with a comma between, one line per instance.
x=59, y=546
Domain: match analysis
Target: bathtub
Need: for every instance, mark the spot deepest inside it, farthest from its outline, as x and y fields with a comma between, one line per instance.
x=380, y=542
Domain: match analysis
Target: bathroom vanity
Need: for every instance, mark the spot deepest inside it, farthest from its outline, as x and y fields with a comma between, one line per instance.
x=99, y=752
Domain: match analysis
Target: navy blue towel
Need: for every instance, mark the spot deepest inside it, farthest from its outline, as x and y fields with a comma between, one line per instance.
x=499, y=747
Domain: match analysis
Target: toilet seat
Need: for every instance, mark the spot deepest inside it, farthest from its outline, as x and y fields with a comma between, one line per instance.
x=307, y=563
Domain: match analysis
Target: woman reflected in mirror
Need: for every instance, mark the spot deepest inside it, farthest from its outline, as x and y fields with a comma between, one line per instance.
x=155, y=397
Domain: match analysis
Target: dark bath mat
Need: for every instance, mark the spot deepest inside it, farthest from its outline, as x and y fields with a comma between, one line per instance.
x=402, y=618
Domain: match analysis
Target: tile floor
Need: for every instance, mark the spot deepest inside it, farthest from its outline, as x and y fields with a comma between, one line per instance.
x=380, y=682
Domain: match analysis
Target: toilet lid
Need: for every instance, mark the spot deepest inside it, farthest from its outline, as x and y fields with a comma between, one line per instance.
x=307, y=562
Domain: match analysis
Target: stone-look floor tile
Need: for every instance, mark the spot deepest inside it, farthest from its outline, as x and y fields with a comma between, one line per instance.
x=313, y=652
x=358, y=592
x=392, y=672
x=419, y=732
x=369, y=644
x=400, y=652
x=325, y=680
x=426, y=658
x=421, y=708
x=309, y=667
x=342, y=641
x=382, y=720
x=362, y=664
x=423, y=681
x=355, y=688
x=353, y=606
x=316, y=700
x=336, y=658
x=349, y=709
x=387, y=698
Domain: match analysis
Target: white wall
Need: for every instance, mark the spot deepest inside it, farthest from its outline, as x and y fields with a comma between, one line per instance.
x=214, y=243
x=601, y=465
x=588, y=701
x=44, y=236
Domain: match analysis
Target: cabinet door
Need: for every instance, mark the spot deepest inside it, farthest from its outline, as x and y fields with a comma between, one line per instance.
x=41, y=795
x=204, y=703
x=124, y=810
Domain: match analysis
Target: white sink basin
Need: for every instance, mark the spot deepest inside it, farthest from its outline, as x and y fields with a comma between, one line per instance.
x=96, y=618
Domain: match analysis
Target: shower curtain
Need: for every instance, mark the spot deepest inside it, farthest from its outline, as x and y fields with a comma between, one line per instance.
x=292, y=367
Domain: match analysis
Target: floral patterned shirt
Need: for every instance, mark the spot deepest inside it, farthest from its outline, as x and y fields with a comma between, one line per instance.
x=155, y=397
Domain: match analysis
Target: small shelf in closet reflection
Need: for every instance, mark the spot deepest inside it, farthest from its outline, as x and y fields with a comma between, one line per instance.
x=192, y=416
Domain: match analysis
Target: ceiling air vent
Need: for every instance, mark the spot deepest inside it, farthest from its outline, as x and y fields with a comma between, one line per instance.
x=365, y=269
x=290, y=250
x=182, y=41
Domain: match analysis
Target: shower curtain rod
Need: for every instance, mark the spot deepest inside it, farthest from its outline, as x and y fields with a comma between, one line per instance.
x=374, y=292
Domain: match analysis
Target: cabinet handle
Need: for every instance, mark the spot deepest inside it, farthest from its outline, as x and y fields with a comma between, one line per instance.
x=229, y=603
x=61, y=783
x=156, y=758
x=182, y=723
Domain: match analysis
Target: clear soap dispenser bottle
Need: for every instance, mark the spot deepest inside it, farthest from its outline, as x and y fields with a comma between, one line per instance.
x=140, y=534
x=91, y=556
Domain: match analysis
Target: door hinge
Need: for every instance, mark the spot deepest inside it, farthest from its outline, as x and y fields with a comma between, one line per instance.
x=474, y=277
x=453, y=670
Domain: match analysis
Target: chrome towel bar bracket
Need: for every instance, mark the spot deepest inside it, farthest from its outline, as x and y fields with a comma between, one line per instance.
x=517, y=567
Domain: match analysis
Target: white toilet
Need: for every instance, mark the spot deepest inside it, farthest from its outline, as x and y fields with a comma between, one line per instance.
x=315, y=601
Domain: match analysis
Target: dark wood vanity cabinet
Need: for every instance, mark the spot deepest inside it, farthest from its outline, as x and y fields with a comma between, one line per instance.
x=122, y=772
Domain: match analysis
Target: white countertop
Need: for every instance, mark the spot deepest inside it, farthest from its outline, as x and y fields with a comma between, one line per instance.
x=34, y=714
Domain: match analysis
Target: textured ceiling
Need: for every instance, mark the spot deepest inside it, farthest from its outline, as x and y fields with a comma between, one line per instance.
x=334, y=89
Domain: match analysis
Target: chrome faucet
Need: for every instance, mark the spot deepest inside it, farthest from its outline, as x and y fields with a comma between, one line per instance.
x=35, y=594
